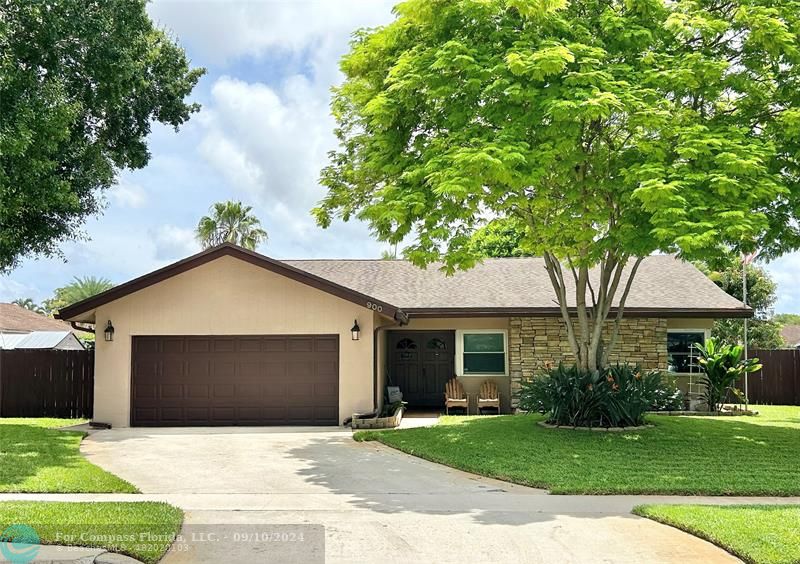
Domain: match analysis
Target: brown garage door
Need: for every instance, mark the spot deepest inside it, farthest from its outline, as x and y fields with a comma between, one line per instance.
x=235, y=380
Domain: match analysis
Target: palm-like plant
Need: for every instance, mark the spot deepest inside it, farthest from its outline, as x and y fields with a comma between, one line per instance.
x=230, y=222
x=78, y=290
x=723, y=365
x=30, y=305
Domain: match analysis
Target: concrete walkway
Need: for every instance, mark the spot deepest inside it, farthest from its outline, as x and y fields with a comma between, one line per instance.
x=366, y=502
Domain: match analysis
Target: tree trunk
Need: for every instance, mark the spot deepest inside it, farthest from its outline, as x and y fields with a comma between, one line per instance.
x=586, y=336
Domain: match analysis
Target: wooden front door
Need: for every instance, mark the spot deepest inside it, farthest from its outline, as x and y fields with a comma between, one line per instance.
x=421, y=363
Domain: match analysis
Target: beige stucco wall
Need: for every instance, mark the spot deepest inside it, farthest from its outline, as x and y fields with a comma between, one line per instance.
x=230, y=297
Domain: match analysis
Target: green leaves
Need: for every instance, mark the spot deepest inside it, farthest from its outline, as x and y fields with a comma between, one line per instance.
x=80, y=86
x=625, y=126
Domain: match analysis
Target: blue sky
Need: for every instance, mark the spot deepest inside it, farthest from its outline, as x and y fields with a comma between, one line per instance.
x=262, y=136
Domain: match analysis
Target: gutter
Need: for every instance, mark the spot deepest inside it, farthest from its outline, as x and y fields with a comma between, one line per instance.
x=74, y=325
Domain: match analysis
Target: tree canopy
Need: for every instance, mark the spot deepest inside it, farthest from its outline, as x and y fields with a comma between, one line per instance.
x=230, y=222
x=763, y=332
x=609, y=129
x=81, y=83
x=500, y=238
x=81, y=288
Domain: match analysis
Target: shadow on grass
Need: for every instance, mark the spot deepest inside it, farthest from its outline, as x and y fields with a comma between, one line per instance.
x=388, y=482
x=26, y=450
x=679, y=455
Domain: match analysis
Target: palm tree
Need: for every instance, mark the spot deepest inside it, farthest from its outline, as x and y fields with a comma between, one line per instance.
x=230, y=222
x=77, y=290
x=30, y=305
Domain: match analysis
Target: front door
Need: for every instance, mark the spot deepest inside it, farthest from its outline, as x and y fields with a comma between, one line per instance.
x=421, y=363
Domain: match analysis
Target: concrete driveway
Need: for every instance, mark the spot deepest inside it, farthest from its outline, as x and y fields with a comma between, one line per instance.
x=369, y=502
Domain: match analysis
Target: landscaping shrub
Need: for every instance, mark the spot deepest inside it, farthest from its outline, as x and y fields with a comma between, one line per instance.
x=617, y=396
x=668, y=398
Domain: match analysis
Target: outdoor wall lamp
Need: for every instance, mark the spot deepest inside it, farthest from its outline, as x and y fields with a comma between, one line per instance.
x=356, y=330
x=109, y=332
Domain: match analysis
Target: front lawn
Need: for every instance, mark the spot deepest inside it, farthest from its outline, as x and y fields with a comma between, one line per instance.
x=762, y=534
x=679, y=455
x=36, y=457
x=143, y=530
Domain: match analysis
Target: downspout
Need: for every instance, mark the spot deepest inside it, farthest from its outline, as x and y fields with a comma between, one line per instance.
x=400, y=319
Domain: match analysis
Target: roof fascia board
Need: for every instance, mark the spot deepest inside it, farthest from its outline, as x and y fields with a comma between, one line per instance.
x=227, y=249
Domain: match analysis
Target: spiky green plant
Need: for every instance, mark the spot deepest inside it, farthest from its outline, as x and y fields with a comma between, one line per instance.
x=723, y=365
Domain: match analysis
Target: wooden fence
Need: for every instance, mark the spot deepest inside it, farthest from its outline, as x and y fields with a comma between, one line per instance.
x=46, y=383
x=778, y=382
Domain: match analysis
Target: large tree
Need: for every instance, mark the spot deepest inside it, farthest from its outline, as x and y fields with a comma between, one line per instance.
x=610, y=129
x=81, y=83
x=230, y=222
x=763, y=332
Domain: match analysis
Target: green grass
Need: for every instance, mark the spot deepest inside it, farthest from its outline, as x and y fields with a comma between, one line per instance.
x=679, y=455
x=36, y=457
x=762, y=534
x=65, y=523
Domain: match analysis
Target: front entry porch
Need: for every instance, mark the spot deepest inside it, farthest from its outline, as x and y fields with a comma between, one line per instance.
x=420, y=363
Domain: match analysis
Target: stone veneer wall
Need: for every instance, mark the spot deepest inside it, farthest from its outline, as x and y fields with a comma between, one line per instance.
x=535, y=342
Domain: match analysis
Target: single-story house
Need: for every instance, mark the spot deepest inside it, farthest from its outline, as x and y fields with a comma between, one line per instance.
x=232, y=337
x=41, y=340
x=21, y=328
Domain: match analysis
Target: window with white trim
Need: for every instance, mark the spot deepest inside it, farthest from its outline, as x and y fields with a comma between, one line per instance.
x=482, y=353
x=681, y=351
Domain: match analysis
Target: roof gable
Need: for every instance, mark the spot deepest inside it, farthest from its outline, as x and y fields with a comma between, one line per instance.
x=228, y=249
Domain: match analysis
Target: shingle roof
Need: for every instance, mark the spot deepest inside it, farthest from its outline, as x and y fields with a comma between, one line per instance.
x=665, y=286
x=16, y=319
x=662, y=282
x=791, y=334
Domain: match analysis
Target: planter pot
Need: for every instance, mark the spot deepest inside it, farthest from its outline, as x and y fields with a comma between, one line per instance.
x=389, y=422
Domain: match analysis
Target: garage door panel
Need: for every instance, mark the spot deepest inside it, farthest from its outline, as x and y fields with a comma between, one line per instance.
x=198, y=391
x=301, y=344
x=195, y=415
x=145, y=391
x=174, y=345
x=327, y=345
x=171, y=414
x=170, y=391
x=146, y=345
x=224, y=345
x=224, y=391
x=242, y=380
x=275, y=344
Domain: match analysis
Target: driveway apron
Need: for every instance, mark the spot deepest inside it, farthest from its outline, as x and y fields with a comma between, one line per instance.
x=364, y=502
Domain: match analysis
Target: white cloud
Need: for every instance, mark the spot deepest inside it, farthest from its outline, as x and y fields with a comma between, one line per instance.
x=11, y=289
x=128, y=195
x=173, y=243
x=219, y=31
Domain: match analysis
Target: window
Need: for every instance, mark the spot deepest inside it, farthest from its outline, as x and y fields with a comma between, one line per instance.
x=681, y=350
x=437, y=344
x=406, y=344
x=482, y=352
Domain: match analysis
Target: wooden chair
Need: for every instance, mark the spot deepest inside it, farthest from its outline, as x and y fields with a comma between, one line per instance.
x=488, y=397
x=454, y=396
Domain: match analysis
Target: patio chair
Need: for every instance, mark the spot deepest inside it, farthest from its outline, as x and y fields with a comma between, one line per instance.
x=454, y=396
x=488, y=397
